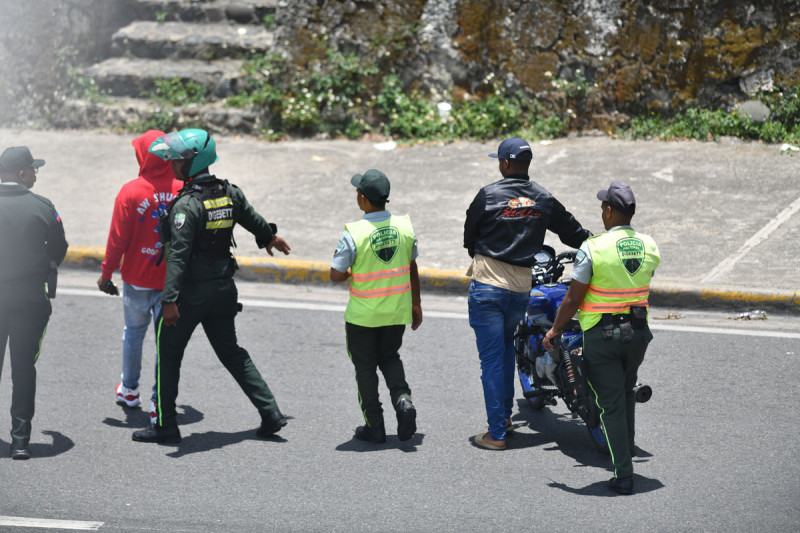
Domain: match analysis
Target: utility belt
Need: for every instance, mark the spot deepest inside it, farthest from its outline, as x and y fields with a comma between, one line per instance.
x=636, y=320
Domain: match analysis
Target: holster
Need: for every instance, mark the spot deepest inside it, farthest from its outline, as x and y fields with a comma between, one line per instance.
x=625, y=332
x=608, y=326
x=638, y=316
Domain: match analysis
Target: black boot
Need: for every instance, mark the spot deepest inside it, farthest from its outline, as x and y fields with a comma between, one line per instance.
x=20, y=451
x=271, y=423
x=376, y=434
x=406, y=419
x=170, y=435
x=621, y=485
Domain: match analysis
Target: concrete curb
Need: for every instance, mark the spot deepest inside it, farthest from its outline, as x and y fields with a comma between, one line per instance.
x=665, y=294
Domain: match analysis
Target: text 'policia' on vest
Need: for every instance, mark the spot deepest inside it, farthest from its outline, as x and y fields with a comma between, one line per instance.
x=623, y=261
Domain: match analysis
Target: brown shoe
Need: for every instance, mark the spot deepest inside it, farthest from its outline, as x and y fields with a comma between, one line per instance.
x=479, y=440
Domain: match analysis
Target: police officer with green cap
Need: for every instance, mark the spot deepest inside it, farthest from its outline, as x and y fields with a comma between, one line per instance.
x=609, y=290
x=33, y=244
x=199, y=288
x=379, y=252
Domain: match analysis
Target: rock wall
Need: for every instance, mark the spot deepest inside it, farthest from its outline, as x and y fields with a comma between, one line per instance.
x=635, y=55
x=612, y=57
x=41, y=44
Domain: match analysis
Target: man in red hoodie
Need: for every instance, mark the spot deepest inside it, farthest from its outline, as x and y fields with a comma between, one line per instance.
x=134, y=237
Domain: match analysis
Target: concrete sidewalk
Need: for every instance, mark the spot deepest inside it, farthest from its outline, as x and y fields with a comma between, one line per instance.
x=725, y=215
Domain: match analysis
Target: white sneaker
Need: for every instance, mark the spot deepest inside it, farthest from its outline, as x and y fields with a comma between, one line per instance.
x=129, y=397
x=153, y=413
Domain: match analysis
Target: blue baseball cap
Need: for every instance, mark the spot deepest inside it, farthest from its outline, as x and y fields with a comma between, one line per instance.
x=514, y=148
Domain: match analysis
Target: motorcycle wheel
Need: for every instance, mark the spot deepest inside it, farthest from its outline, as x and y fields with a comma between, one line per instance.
x=598, y=436
x=525, y=371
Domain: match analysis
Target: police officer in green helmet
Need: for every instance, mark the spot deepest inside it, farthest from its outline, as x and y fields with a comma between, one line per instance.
x=197, y=233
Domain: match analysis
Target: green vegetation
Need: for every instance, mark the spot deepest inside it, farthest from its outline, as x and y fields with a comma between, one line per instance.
x=72, y=81
x=269, y=21
x=169, y=94
x=344, y=95
x=783, y=124
x=161, y=16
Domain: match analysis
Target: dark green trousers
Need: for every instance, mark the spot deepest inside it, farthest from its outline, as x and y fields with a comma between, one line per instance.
x=212, y=304
x=612, y=369
x=24, y=313
x=370, y=349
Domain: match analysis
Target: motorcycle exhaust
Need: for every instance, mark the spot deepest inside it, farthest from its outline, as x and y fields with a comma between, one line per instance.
x=642, y=392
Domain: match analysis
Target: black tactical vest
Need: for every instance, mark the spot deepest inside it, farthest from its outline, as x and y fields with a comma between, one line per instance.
x=215, y=231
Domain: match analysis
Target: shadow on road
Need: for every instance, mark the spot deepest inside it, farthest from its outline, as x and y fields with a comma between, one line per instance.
x=392, y=443
x=568, y=435
x=641, y=485
x=215, y=440
x=136, y=417
x=61, y=444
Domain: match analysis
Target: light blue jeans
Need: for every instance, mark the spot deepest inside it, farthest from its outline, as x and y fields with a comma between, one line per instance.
x=140, y=306
x=494, y=314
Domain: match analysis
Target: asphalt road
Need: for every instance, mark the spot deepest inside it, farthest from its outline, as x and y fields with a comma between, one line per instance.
x=719, y=433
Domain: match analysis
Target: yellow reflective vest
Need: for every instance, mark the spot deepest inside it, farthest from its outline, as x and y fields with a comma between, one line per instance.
x=623, y=262
x=380, y=290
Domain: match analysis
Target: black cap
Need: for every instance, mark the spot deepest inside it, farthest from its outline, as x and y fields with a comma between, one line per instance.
x=18, y=158
x=619, y=196
x=514, y=148
x=373, y=184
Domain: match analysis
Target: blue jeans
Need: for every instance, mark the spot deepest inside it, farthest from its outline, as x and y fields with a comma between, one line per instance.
x=494, y=314
x=140, y=306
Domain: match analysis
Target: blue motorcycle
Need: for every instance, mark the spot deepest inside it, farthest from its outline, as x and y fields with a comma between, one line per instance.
x=561, y=372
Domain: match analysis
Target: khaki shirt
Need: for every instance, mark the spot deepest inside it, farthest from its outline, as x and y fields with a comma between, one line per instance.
x=499, y=274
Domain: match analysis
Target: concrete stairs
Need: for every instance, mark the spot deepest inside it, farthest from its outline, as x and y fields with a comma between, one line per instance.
x=205, y=42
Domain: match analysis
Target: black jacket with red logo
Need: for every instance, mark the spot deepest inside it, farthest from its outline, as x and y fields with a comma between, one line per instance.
x=507, y=221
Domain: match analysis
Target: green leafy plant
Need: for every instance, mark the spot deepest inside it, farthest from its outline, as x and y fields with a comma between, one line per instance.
x=73, y=82
x=576, y=88
x=176, y=92
x=705, y=124
x=269, y=21
x=161, y=16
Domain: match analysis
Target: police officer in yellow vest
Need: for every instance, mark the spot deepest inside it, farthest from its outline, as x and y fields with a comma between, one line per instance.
x=609, y=290
x=379, y=252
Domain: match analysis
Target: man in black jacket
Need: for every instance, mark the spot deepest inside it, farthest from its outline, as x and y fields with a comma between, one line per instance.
x=504, y=230
x=32, y=242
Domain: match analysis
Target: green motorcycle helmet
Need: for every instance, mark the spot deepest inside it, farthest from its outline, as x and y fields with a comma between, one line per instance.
x=194, y=146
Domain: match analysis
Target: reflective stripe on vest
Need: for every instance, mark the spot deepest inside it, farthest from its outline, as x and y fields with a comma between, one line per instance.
x=380, y=289
x=623, y=262
x=219, y=212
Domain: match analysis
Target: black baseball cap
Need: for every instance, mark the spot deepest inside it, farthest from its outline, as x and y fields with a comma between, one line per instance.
x=373, y=184
x=18, y=158
x=514, y=148
x=619, y=196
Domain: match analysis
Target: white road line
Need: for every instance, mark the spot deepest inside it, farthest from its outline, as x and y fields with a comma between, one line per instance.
x=727, y=265
x=726, y=331
x=339, y=308
x=45, y=523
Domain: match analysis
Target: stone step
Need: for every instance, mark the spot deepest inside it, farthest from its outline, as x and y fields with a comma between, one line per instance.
x=184, y=40
x=242, y=12
x=120, y=76
x=137, y=115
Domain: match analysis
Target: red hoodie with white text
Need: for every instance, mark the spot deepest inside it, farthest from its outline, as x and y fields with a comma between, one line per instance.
x=133, y=237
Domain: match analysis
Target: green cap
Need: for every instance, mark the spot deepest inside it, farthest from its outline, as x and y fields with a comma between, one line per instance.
x=373, y=184
x=18, y=158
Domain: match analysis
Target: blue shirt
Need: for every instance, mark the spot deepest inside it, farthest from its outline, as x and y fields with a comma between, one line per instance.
x=345, y=253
